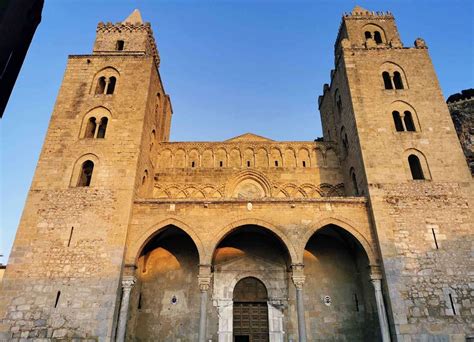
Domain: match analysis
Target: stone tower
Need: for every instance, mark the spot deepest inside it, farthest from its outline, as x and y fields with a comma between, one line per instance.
x=66, y=265
x=398, y=147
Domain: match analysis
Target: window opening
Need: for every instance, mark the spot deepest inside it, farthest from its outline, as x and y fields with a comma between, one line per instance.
x=276, y=162
x=356, y=302
x=221, y=163
x=387, y=80
x=248, y=163
x=434, y=237
x=102, y=128
x=415, y=167
x=70, y=237
x=120, y=44
x=86, y=173
x=368, y=35
x=111, y=85
x=397, y=80
x=192, y=164
x=139, y=301
x=398, y=121
x=57, y=299
x=408, y=120
x=452, y=303
x=304, y=163
x=100, y=85
x=90, y=128
x=354, y=183
x=378, y=37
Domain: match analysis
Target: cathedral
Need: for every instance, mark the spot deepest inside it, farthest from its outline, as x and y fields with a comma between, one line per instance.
x=363, y=235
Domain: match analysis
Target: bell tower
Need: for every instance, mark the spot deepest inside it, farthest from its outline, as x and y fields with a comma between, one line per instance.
x=64, y=273
x=398, y=147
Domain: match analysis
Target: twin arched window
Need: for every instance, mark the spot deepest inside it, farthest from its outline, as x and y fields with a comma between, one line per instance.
x=403, y=122
x=375, y=35
x=105, y=85
x=393, y=81
x=96, y=129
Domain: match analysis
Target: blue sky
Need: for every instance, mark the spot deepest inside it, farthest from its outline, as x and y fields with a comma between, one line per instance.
x=230, y=67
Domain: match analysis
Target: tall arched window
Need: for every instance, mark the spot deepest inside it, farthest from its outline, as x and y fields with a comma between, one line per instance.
x=398, y=121
x=111, y=85
x=338, y=99
x=100, y=85
x=415, y=167
x=90, y=129
x=102, y=128
x=408, y=120
x=387, y=81
x=378, y=37
x=368, y=35
x=397, y=80
x=85, y=176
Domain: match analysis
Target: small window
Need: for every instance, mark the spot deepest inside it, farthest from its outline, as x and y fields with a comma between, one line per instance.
x=378, y=37
x=193, y=164
x=276, y=163
x=387, y=80
x=248, y=163
x=102, y=128
x=86, y=174
x=397, y=80
x=339, y=103
x=398, y=121
x=221, y=164
x=120, y=44
x=368, y=35
x=111, y=85
x=415, y=167
x=56, y=302
x=90, y=128
x=354, y=183
x=304, y=163
x=100, y=85
x=408, y=120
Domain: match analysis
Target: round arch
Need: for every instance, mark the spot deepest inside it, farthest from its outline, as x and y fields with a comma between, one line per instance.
x=348, y=227
x=133, y=253
x=221, y=235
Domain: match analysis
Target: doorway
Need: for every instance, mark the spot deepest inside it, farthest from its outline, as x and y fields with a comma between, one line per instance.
x=250, y=311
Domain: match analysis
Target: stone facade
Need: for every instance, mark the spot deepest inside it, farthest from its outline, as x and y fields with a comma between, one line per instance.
x=363, y=236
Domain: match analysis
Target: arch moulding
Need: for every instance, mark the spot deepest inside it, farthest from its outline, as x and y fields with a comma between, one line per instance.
x=133, y=252
x=255, y=222
x=347, y=226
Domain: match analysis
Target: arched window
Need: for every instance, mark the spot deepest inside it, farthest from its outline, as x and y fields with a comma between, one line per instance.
x=152, y=139
x=111, y=85
x=387, y=80
x=338, y=99
x=120, y=44
x=85, y=176
x=354, y=183
x=415, y=167
x=378, y=37
x=90, y=129
x=398, y=121
x=368, y=35
x=408, y=120
x=100, y=85
x=102, y=128
x=397, y=80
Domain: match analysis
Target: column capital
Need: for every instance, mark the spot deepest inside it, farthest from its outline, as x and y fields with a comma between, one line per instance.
x=298, y=276
x=128, y=282
x=375, y=272
x=204, y=277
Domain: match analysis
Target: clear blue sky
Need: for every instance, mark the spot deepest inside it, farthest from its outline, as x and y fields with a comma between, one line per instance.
x=230, y=67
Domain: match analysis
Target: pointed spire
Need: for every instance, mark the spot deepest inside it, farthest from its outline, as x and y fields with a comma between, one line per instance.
x=134, y=18
x=359, y=9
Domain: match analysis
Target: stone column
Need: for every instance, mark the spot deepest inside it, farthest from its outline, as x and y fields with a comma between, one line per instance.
x=127, y=284
x=204, y=279
x=298, y=279
x=376, y=280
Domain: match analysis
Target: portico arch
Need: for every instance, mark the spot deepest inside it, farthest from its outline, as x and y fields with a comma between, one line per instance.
x=264, y=225
x=133, y=253
x=345, y=225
